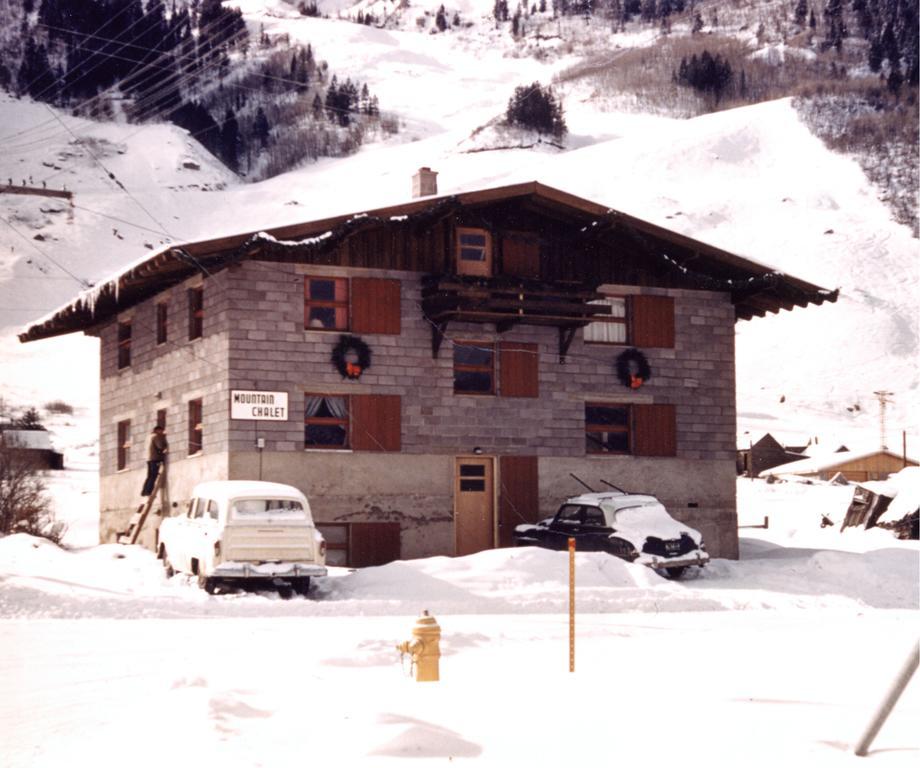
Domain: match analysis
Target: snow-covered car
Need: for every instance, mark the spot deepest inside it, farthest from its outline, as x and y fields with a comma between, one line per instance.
x=244, y=532
x=634, y=527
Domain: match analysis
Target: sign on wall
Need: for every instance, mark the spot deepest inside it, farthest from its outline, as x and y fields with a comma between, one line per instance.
x=254, y=405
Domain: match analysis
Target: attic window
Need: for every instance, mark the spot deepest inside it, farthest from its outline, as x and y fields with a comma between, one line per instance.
x=474, y=252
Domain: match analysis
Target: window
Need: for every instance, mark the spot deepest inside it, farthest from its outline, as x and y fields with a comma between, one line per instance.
x=607, y=428
x=124, y=444
x=474, y=368
x=326, y=421
x=612, y=328
x=124, y=344
x=195, y=313
x=519, y=369
x=473, y=478
x=358, y=422
x=195, y=427
x=161, y=418
x=474, y=252
x=643, y=429
x=644, y=321
x=162, y=316
x=325, y=303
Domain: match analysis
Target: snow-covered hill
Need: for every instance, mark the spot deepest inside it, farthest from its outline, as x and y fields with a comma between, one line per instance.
x=752, y=180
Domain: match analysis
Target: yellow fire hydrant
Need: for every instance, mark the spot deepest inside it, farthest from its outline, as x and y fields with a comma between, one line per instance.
x=424, y=648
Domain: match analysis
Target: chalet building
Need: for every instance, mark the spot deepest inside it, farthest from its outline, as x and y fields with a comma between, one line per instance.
x=433, y=373
x=855, y=466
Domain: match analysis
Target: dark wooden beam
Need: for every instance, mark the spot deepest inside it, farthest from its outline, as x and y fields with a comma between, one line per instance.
x=565, y=341
x=438, y=330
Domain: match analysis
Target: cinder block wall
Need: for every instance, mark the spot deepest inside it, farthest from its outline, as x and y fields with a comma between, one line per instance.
x=163, y=376
x=270, y=350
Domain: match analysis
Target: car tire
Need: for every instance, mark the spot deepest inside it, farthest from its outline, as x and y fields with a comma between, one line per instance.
x=167, y=566
x=675, y=573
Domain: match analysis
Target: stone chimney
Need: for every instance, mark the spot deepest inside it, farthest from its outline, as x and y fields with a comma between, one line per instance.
x=425, y=183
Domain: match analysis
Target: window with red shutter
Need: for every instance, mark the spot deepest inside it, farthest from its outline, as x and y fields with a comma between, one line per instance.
x=375, y=305
x=519, y=370
x=124, y=444
x=195, y=426
x=376, y=423
x=655, y=430
x=652, y=321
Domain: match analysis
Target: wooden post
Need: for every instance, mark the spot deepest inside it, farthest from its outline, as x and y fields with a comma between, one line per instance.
x=897, y=688
x=571, y=605
x=904, y=446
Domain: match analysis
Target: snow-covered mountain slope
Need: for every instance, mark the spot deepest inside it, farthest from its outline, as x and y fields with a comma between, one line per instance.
x=751, y=180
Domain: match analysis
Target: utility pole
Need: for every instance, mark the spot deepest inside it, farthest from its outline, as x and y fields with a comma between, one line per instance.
x=883, y=401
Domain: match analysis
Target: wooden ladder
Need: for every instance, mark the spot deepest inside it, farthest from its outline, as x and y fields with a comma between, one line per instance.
x=136, y=523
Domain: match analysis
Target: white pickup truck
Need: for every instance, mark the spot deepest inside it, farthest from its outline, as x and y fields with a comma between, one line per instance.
x=242, y=531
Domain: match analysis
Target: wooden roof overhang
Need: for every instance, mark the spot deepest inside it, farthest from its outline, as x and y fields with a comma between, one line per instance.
x=683, y=261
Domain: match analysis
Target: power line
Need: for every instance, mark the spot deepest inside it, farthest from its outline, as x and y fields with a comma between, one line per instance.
x=83, y=283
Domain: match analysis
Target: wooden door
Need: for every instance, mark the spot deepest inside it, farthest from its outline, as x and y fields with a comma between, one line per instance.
x=519, y=495
x=474, y=504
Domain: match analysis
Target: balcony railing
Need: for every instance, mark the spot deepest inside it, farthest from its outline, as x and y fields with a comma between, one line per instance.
x=506, y=302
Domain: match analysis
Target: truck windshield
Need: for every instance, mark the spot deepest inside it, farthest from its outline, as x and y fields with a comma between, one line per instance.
x=267, y=508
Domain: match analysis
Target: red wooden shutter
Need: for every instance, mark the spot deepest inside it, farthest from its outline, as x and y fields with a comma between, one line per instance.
x=376, y=422
x=652, y=321
x=373, y=544
x=520, y=365
x=375, y=305
x=521, y=255
x=654, y=430
x=519, y=497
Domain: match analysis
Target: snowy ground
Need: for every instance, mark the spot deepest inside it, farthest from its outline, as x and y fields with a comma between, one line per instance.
x=781, y=656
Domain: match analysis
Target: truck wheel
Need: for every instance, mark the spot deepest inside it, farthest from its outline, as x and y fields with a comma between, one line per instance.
x=206, y=583
x=285, y=591
x=301, y=586
x=675, y=573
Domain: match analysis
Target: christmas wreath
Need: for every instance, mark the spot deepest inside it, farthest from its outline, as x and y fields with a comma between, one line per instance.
x=351, y=356
x=633, y=369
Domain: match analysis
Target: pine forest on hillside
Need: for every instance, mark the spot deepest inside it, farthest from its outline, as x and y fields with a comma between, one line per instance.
x=262, y=106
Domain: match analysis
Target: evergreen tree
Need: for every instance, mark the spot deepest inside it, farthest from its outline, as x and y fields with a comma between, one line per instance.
x=260, y=128
x=440, y=20
x=705, y=73
x=537, y=108
x=230, y=141
x=835, y=25
x=696, y=25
